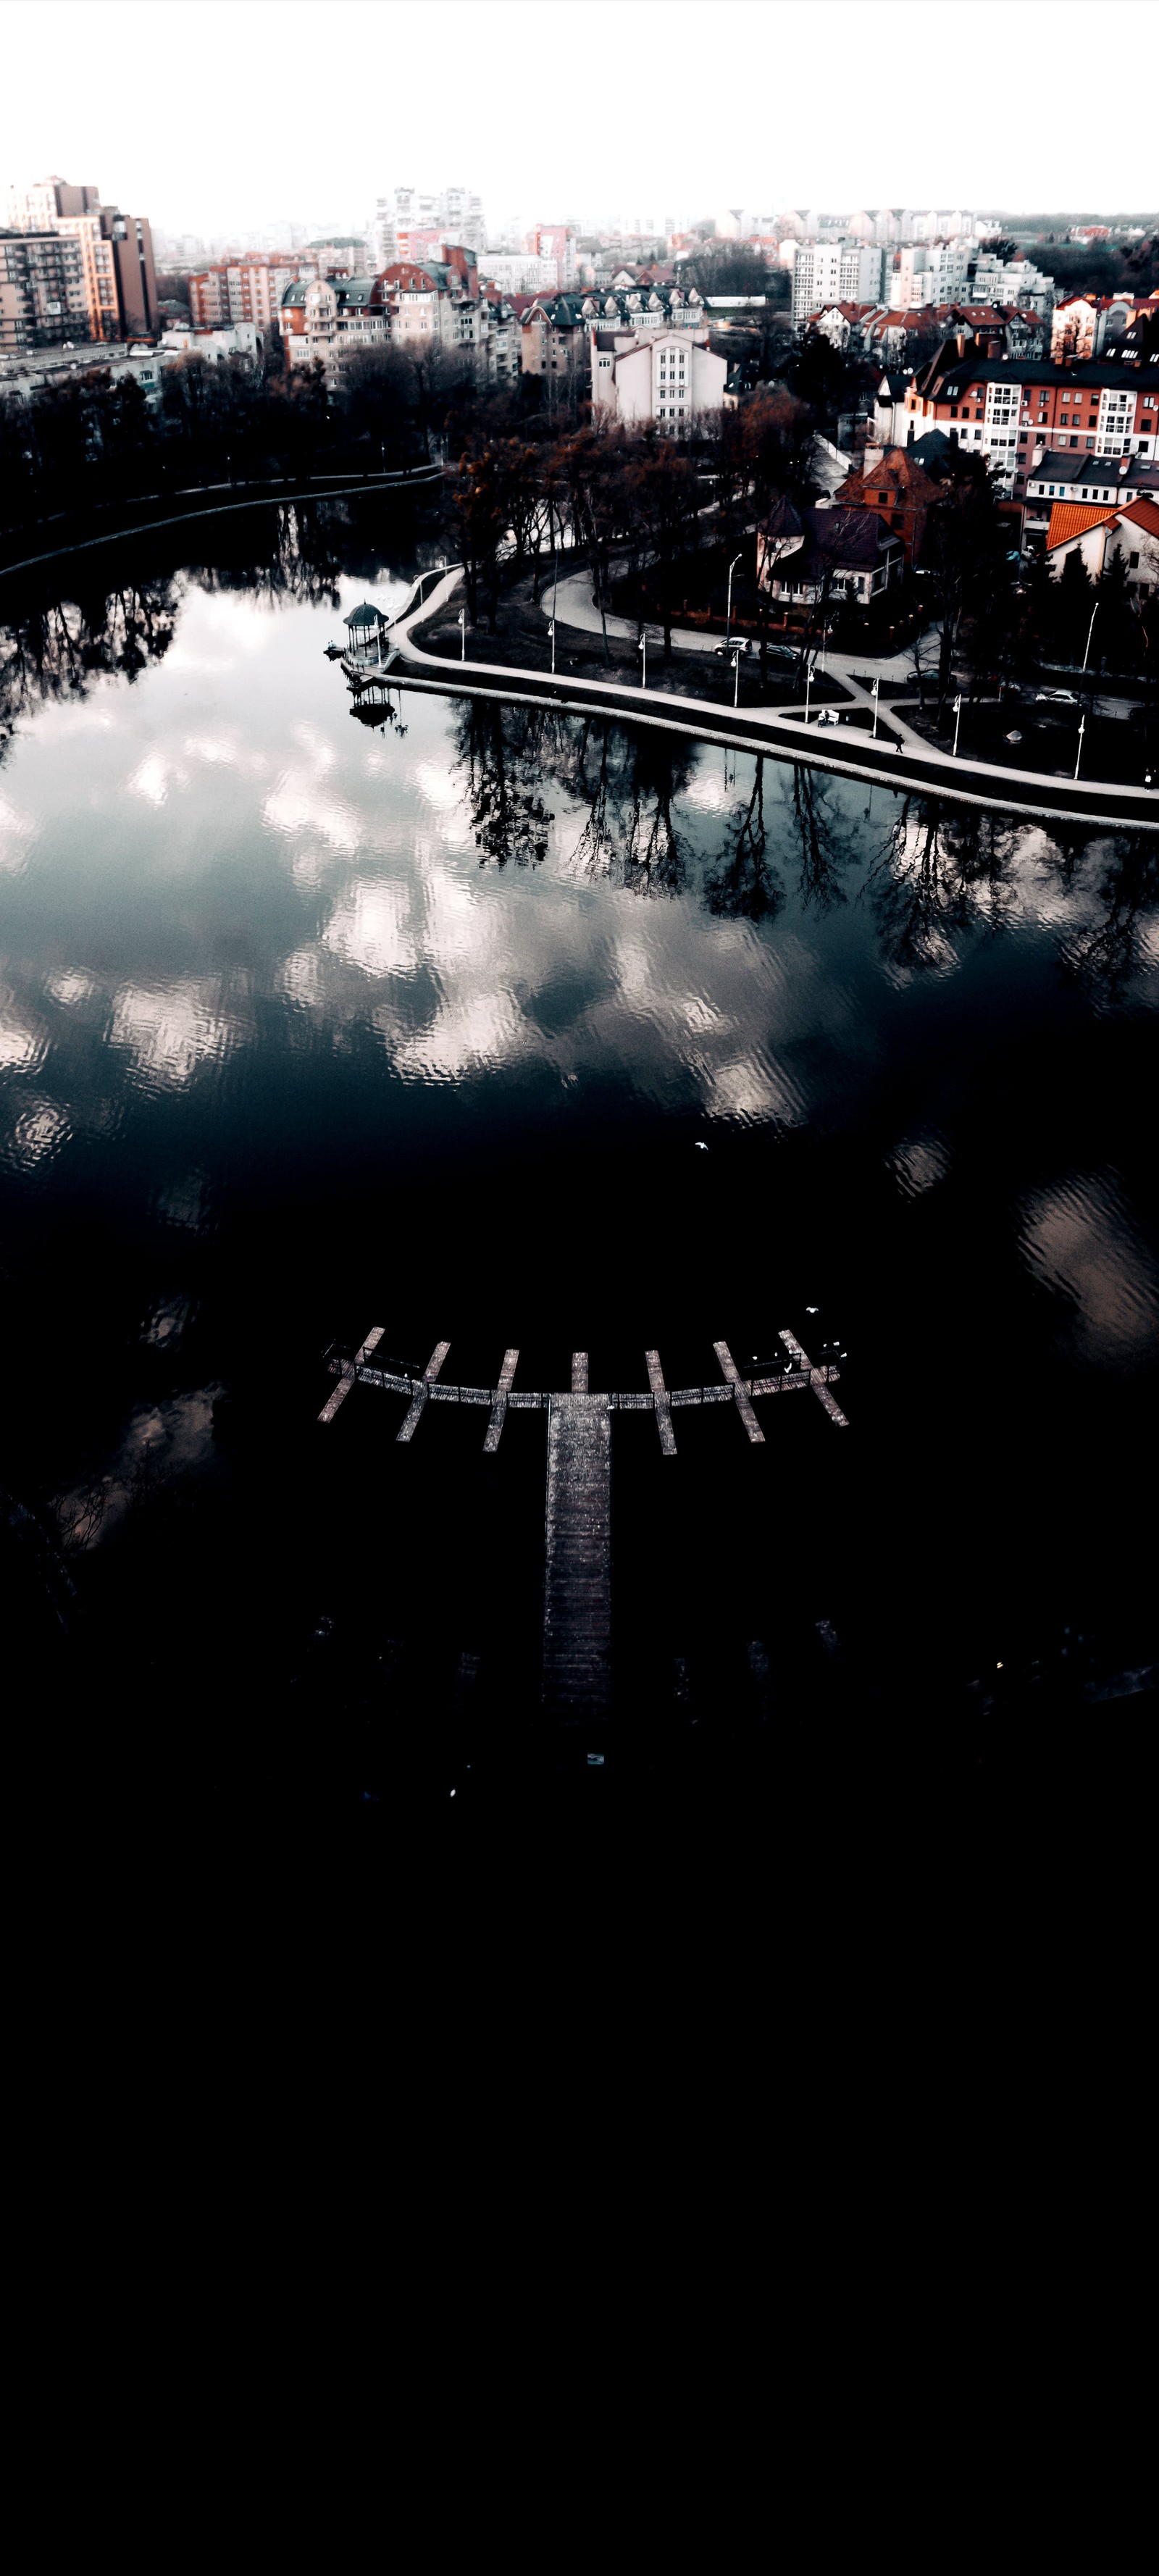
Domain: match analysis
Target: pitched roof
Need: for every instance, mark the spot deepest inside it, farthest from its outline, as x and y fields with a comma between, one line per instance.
x=1072, y=519
x=1143, y=514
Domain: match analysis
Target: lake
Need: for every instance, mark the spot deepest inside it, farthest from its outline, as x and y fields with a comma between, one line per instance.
x=523, y=1029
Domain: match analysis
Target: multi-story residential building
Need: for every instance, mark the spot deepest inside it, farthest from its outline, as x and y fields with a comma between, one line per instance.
x=1099, y=482
x=834, y=273
x=326, y=321
x=554, y=342
x=1014, y=281
x=115, y=252
x=1011, y=409
x=417, y=309
x=246, y=290
x=930, y=272
x=667, y=376
x=556, y=244
x=407, y=214
x=521, y=272
x=637, y=313
x=42, y=291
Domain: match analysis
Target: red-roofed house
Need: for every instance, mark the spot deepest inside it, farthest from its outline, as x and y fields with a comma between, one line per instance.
x=1131, y=534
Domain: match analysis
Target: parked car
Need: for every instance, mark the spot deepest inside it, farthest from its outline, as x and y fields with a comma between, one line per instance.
x=1055, y=698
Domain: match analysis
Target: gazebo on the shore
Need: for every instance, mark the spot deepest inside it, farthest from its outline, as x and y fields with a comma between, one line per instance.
x=366, y=627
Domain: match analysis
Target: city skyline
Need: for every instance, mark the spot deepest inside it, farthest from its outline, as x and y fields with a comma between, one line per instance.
x=205, y=163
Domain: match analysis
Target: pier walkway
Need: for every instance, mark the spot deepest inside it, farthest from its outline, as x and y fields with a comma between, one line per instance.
x=577, y=1576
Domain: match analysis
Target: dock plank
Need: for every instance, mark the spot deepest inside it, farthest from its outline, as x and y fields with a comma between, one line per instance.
x=817, y=1378
x=663, y=1408
x=577, y=1590
x=346, y=1379
x=740, y=1392
x=499, y=1409
x=579, y=1372
x=417, y=1405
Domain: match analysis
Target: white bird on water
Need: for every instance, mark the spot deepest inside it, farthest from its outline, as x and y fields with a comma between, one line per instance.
x=701, y=1147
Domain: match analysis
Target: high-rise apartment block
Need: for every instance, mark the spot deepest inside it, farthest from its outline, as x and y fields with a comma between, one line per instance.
x=42, y=291
x=840, y=272
x=408, y=222
x=118, y=287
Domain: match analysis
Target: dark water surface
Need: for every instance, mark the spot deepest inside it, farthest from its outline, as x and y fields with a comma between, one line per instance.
x=309, y=1023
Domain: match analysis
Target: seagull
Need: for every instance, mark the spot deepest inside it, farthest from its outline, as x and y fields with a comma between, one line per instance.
x=812, y=1310
x=701, y=1147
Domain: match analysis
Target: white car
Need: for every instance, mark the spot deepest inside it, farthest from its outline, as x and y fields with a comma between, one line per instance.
x=1055, y=698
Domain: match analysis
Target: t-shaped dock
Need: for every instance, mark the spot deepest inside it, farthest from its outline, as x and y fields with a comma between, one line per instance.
x=577, y=1581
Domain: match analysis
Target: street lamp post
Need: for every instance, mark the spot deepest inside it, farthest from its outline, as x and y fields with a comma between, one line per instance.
x=728, y=610
x=1079, y=752
x=736, y=674
x=642, y=647
x=1090, y=632
x=808, y=686
x=551, y=632
x=957, y=721
x=462, y=635
x=876, y=687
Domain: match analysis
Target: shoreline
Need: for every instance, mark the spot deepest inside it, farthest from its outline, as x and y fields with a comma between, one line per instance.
x=1099, y=803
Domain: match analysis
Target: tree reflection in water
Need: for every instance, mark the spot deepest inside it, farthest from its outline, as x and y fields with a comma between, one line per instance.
x=57, y=651
x=500, y=760
x=1112, y=949
x=743, y=885
x=943, y=870
x=54, y=648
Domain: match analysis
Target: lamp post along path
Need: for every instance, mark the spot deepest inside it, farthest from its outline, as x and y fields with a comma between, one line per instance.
x=728, y=610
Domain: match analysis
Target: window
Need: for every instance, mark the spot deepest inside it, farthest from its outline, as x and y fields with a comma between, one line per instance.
x=1133, y=560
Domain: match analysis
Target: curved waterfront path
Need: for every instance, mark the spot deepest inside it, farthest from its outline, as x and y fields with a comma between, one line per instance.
x=780, y=733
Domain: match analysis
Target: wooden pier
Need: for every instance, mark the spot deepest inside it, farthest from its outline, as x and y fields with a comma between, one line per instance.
x=577, y=1587
x=577, y=1577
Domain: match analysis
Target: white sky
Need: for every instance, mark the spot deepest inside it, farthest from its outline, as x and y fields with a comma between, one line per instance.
x=214, y=114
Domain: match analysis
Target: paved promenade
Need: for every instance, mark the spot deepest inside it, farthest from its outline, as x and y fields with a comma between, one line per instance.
x=780, y=733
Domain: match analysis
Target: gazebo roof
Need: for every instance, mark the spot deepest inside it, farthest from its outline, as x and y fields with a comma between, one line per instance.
x=365, y=616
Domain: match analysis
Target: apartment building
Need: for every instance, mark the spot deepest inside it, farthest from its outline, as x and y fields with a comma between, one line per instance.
x=42, y=291
x=115, y=252
x=1088, y=482
x=409, y=221
x=556, y=245
x=1013, y=281
x=837, y=272
x=326, y=321
x=670, y=377
x=248, y=290
x=1011, y=409
x=639, y=313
